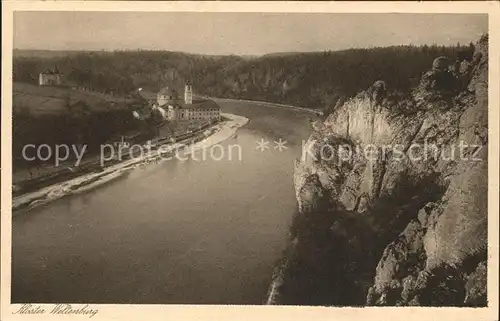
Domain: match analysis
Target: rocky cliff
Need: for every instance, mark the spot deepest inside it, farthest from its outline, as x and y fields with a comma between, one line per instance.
x=392, y=197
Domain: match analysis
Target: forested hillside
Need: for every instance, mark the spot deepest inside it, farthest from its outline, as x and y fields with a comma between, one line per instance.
x=314, y=80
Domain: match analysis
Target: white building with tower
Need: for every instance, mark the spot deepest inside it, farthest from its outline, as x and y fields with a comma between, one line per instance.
x=188, y=93
x=188, y=108
x=50, y=77
x=169, y=100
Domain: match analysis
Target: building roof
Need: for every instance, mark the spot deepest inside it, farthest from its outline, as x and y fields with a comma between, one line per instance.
x=54, y=71
x=200, y=104
x=147, y=95
x=49, y=72
x=168, y=91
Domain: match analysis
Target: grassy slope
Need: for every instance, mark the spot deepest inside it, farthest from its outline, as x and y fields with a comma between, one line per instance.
x=53, y=99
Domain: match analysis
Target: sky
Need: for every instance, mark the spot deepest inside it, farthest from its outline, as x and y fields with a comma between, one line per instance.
x=239, y=33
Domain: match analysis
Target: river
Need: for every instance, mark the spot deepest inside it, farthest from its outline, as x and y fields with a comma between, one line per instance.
x=185, y=232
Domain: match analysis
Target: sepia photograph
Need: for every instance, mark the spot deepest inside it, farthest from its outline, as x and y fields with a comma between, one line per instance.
x=306, y=159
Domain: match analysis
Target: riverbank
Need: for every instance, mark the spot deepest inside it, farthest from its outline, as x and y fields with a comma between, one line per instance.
x=100, y=176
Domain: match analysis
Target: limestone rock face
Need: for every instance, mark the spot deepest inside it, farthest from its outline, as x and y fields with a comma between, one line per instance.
x=452, y=231
x=476, y=285
x=402, y=189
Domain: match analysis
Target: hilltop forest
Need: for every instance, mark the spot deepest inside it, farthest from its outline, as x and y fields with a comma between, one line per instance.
x=314, y=80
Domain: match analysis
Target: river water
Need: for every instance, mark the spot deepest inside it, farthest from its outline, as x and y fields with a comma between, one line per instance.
x=186, y=232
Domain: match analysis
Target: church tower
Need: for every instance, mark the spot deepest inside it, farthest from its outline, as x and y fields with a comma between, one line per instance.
x=188, y=93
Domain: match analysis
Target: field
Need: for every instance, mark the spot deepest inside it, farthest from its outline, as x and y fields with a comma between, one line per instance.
x=54, y=99
x=64, y=115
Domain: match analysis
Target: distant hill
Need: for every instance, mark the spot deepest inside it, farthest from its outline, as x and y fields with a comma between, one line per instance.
x=44, y=54
x=316, y=80
x=284, y=54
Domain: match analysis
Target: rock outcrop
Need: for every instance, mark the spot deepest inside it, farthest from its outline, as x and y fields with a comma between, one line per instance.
x=392, y=197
